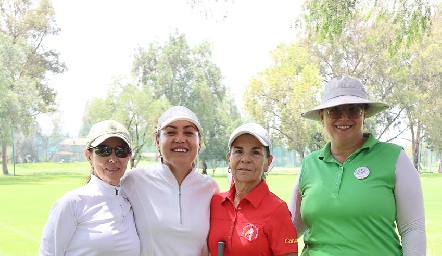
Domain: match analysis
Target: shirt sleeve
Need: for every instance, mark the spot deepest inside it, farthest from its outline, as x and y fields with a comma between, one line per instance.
x=295, y=208
x=410, y=207
x=282, y=234
x=59, y=229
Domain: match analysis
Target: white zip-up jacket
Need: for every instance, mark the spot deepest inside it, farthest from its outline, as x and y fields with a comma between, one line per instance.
x=170, y=219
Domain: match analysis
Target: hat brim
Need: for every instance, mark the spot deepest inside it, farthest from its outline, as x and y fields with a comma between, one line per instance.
x=104, y=137
x=374, y=107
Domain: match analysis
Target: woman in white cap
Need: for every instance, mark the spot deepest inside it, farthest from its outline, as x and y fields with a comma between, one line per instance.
x=171, y=200
x=352, y=195
x=95, y=219
x=248, y=219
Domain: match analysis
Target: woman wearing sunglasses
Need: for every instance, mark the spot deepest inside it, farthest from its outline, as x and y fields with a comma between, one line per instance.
x=171, y=199
x=357, y=195
x=95, y=219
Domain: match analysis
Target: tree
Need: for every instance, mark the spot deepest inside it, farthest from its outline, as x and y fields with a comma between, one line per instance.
x=278, y=95
x=187, y=76
x=329, y=18
x=24, y=64
x=134, y=107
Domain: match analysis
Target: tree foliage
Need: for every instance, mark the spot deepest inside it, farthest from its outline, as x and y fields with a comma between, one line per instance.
x=279, y=94
x=24, y=64
x=134, y=107
x=187, y=76
x=329, y=19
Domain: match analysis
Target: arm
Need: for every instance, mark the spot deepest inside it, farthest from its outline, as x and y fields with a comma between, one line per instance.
x=295, y=208
x=410, y=215
x=59, y=228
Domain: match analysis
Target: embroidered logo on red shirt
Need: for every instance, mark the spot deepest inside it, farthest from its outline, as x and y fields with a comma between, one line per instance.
x=250, y=232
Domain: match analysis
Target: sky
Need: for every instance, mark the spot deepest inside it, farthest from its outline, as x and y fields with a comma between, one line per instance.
x=98, y=39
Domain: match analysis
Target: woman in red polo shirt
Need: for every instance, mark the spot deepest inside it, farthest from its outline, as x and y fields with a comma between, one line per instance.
x=248, y=219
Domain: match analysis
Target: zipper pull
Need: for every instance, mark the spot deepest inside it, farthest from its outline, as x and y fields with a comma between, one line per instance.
x=116, y=191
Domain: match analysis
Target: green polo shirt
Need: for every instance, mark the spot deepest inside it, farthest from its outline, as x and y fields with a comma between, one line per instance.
x=346, y=215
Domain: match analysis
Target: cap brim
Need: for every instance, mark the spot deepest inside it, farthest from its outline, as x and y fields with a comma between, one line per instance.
x=173, y=119
x=374, y=107
x=233, y=138
x=104, y=137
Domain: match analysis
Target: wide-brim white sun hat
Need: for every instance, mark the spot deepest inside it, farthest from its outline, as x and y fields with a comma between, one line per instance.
x=345, y=90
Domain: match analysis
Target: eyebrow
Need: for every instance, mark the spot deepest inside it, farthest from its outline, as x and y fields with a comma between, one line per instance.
x=240, y=147
x=185, y=127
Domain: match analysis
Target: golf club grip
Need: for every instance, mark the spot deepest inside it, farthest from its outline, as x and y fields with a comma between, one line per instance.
x=221, y=248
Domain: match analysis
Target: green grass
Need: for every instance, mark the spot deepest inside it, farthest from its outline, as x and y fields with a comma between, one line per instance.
x=27, y=197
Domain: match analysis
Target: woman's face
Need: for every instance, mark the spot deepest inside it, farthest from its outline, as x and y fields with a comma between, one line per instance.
x=108, y=168
x=179, y=144
x=346, y=127
x=248, y=159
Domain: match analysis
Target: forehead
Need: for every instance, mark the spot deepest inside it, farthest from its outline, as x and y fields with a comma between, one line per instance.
x=180, y=124
x=247, y=140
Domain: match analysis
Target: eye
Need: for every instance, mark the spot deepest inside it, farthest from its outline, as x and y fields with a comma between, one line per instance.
x=189, y=133
x=257, y=152
x=237, y=151
x=170, y=133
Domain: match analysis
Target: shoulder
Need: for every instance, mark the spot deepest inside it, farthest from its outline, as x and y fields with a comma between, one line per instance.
x=72, y=199
x=210, y=181
x=134, y=174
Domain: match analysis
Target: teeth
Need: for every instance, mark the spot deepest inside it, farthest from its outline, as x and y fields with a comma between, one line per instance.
x=180, y=150
x=343, y=126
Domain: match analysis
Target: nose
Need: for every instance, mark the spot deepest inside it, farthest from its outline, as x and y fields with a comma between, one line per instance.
x=179, y=138
x=244, y=159
x=344, y=114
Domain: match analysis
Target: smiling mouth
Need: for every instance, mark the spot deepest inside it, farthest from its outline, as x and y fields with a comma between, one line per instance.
x=343, y=127
x=180, y=150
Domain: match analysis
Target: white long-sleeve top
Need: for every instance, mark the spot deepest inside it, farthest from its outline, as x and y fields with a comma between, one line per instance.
x=171, y=219
x=91, y=220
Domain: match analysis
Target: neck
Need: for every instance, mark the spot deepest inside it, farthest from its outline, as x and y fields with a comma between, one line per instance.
x=180, y=174
x=341, y=152
x=242, y=189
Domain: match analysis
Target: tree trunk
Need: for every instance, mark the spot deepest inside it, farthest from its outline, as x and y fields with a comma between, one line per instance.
x=440, y=162
x=4, y=159
x=204, y=166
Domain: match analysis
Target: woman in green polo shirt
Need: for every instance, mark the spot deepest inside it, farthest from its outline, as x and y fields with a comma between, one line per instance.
x=357, y=195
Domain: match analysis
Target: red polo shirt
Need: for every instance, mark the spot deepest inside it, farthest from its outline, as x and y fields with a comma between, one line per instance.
x=261, y=224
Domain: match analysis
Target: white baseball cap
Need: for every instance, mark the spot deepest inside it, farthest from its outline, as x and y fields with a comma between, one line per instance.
x=176, y=113
x=107, y=129
x=254, y=129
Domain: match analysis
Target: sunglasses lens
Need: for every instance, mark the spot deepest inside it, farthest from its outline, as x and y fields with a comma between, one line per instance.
x=103, y=151
x=354, y=112
x=334, y=112
x=122, y=152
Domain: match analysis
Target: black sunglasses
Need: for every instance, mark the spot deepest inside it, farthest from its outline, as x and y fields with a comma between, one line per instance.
x=103, y=151
x=353, y=111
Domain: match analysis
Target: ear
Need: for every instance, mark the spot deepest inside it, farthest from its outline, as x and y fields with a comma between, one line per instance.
x=228, y=157
x=88, y=155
